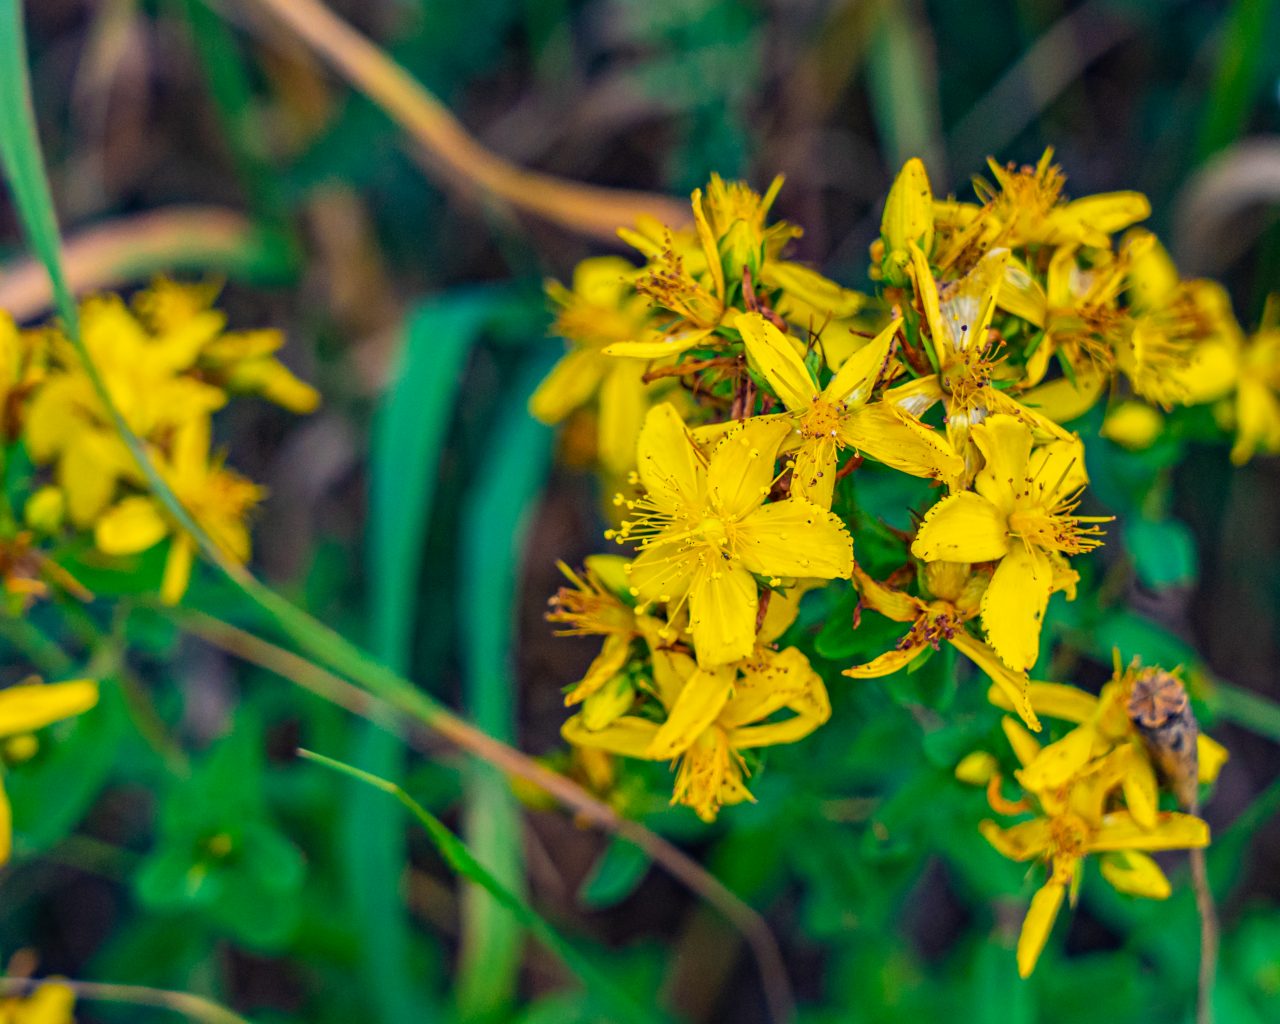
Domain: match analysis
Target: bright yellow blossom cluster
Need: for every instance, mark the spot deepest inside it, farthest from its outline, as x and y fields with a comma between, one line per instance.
x=168, y=362
x=736, y=394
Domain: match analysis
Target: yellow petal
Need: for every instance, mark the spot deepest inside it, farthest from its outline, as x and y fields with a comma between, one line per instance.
x=628, y=736
x=722, y=614
x=795, y=538
x=885, y=664
x=900, y=441
x=908, y=210
x=570, y=384
x=1172, y=831
x=710, y=248
x=700, y=702
x=1021, y=842
x=808, y=294
x=1026, y=748
x=927, y=293
x=893, y=604
x=977, y=768
x=31, y=706
x=1022, y=295
x=663, y=573
x=133, y=525
x=965, y=527
x=6, y=827
x=1010, y=685
x=671, y=669
x=1059, y=761
x=1093, y=218
x=1136, y=874
x=659, y=346
x=1005, y=444
x=607, y=664
x=857, y=376
x=1014, y=604
x=1141, y=794
x=87, y=473
x=622, y=408
x=1133, y=425
x=1057, y=471
x=177, y=569
x=1063, y=400
x=668, y=461
x=1037, y=925
x=916, y=397
x=776, y=358
x=609, y=703
x=1055, y=700
x=813, y=470
x=1212, y=756
x=741, y=469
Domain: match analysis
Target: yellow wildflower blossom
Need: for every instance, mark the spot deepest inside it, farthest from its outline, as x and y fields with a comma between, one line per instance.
x=1021, y=515
x=1074, y=819
x=1257, y=405
x=712, y=714
x=216, y=497
x=602, y=309
x=703, y=528
x=907, y=220
x=956, y=595
x=29, y=706
x=841, y=415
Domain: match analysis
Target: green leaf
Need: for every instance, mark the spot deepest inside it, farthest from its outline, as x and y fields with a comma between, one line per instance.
x=457, y=855
x=408, y=442
x=495, y=520
x=1238, y=79
x=614, y=876
x=1164, y=552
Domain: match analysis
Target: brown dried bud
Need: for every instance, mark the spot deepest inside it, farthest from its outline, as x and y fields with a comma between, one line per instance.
x=1161, y=710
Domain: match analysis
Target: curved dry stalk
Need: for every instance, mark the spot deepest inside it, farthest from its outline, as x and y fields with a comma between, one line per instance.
x=384, y=711
x=460, y=161
x=126, y=249
x=192, y=1007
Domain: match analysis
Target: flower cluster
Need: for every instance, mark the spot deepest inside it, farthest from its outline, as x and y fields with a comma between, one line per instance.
x=72, y=489
x=738, y=398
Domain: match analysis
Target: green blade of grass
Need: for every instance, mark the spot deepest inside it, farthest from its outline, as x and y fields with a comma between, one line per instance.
x=902, y=83
x=408, y=441
x=1238, y=76
x=459, y=857
x=494, y=525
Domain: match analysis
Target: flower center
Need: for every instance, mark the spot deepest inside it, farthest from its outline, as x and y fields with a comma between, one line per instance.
x=822, y=419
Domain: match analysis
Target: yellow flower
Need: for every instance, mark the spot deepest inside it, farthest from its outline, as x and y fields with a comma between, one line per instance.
x=1133, y=425
x=1021, y=515
x=704, y=528
x=712, y=714
x=216, y=497
x=23, y=361
x=907, y=219
x=29, y=706
x=51, y=1002
x=841, y=415
x=1074, y=819
x=956, y=595
x=1257, y=405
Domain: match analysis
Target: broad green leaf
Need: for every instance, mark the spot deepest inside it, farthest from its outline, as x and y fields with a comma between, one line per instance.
x=614, y=876
x=1164, y=552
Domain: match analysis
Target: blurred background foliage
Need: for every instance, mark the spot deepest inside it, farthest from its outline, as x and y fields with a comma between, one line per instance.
x=420, y=512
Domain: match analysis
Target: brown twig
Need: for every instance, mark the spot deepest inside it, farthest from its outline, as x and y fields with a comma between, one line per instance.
x=462, y=734
x=687, y=367
x=461, y=163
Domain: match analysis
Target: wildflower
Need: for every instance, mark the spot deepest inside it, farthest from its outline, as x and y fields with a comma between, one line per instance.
x=956, y=593
x=1021, y=515
x=601, y=309
x=703, y=528
x=51, y=1002
x=32, y=705
x=1257, y=405
x=23, y=359
x=907, y=220
x=841, y=415
x=1077, y=818
x=1132, y=425
x=712, y=715
x=217, y=498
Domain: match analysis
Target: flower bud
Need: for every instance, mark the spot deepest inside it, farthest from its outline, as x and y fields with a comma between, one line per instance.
x=908, y=218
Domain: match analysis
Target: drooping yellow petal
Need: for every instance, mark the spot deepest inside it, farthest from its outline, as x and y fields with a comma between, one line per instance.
x=795, y=538
x=1014, y=604
x=885, y=664
x=668, y=461
x=1141, y=793
x=808, y=296
x=893, y=604
x=27, y=707
x=1054, y=700
x=657, y=345
x=1172, y=831
x=741, y=469
x=722, y=614
x=627, y=735
x=177, y=568
x=857, y=376
x=1010, y=685
x=1026, y=748
x=964, y=527
x=1021, y=842
x=133, y=525
x=704, y=695
x=777, y=359
x=901, y=441
x=570, y=384
x=1037, y=925
x=1093, y=219
x=1135, y=873
x=607, y=664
